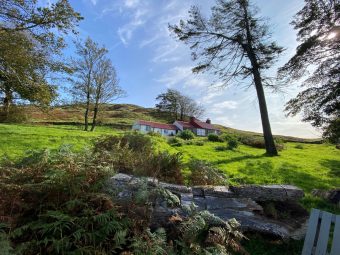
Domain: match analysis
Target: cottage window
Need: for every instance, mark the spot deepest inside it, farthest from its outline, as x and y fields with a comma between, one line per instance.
x=201, y=132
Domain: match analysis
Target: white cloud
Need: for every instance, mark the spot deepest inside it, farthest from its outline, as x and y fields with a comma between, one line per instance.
x=94, y=2
x=131, y=3
x=125, y=32
x=226, y=105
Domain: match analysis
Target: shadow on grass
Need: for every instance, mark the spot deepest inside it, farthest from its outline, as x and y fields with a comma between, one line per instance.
x=238, y=159
x=264, y=172
x=333, y=166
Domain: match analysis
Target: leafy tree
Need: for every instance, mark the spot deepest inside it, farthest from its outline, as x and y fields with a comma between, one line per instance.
x=31, y=40
x=94, y=78
x=38, y=21
x=106, y=86
x=23, y=68
x=233, y=43
x=178, y=105
x=317, y=61
x=89, y=53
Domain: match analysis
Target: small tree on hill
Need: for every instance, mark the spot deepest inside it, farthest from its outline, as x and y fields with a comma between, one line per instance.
x=106, y=86
x=178, y=105
x=94, y=78
x=233, y=43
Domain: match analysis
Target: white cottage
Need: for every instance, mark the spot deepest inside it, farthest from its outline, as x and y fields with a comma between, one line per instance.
x=149, y=126
x=198, y=127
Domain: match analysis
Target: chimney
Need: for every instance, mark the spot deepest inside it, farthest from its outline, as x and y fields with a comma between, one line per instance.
x=208, y=121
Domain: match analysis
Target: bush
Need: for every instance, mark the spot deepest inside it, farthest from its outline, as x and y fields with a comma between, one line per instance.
x=221, y=148
x=214, y=138
x=253, y=141
x=232, y=144
x=134, y=141
x=199, y=143
x=186, y=134
x=203, y=173
x=133, y=153
x=175, y=141
x=165, y=166
x=299, y=146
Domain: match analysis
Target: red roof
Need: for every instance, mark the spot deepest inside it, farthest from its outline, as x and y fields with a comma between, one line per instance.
x=195, y=123
x=157, y=125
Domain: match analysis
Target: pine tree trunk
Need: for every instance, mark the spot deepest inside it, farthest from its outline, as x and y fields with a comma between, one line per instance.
x=94, y=122
x=267, y=132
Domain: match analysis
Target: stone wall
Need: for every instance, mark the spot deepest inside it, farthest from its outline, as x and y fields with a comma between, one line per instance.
x=244, y=203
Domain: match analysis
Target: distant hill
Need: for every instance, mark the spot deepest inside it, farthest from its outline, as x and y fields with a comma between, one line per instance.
x=121, y=116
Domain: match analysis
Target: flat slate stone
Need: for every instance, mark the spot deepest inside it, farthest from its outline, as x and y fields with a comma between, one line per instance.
x=175, y=188
x=218, y=191
x=268, y=192
x=237, y=203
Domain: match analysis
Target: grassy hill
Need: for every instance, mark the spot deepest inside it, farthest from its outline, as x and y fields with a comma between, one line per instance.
x=117, y=116
x=121, y=117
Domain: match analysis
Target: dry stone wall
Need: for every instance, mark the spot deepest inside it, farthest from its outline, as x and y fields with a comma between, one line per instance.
x=242, y=203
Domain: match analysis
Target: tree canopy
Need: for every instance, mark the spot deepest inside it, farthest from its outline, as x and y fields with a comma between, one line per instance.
x=31, y=39
x=94, y=78
x=316, y=62
x=234, y=43
x=178, y=105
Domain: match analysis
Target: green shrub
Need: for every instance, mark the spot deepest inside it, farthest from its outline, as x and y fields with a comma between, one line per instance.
x=134, y=141
x=133, y=153
x=186, y=134
x=199, y=143
x=299, y=146
x=279, y=144
x=214, y=138
x=203, y=173
x=253, y=141
x=221, y=148
x=232, y=144
x=175, y=141
x=164, y=166
x=154, y=134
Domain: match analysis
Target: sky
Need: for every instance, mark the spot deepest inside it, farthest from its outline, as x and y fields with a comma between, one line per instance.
x=148, y=59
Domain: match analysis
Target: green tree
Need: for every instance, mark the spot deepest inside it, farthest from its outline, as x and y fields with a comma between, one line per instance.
x=89, y=54
x=23, y=68
x=317, y=61
x=30, y=47
x=178, y=105
x=94, y=78
x=233, y=43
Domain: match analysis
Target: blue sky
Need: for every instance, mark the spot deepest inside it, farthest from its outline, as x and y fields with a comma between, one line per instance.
x=149, y=60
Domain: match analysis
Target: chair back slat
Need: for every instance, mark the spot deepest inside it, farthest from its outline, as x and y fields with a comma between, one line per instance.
x=335, y=250
x=326, y=221
x=311, y=232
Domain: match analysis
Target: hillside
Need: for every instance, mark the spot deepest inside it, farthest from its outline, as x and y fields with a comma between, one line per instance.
x=121, y=117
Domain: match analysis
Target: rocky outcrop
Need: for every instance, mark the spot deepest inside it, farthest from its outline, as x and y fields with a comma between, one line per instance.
x=244, y=203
